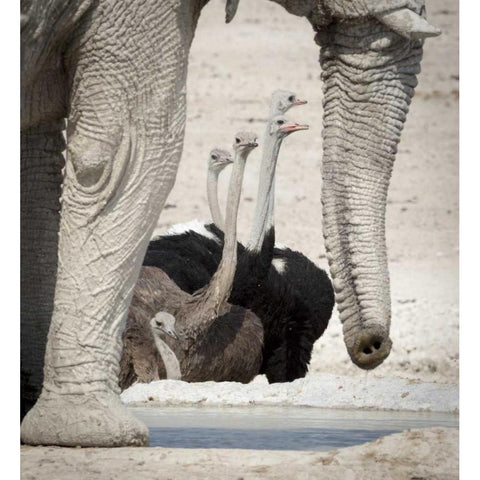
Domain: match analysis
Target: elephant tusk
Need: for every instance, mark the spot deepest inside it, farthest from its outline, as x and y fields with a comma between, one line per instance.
x=408, y=24
x=231, y=10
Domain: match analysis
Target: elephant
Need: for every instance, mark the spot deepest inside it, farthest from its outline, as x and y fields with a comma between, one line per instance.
x=105, y=80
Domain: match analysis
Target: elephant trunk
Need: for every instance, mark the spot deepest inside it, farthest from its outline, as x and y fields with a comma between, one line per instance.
x=369, y=76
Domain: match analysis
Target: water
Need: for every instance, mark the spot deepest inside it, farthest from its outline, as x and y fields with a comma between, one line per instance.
x=278, y=428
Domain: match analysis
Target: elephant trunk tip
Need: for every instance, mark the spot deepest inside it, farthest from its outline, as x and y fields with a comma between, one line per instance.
x=370, y=347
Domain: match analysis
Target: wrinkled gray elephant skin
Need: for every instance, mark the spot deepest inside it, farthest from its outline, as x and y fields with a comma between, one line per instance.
x=117, y=72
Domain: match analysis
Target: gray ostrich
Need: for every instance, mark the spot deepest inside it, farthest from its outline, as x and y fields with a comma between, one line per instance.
x=215, y=340
x=164, y=323
x=217, y=161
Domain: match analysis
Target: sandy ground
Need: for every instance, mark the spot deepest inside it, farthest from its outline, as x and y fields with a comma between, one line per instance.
x=414, y=454
x=317, y=390
x=233, y=70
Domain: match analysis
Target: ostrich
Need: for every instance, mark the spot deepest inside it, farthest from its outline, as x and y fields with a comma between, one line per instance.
x=216, y=340
x=289, y=330
x=309, y=282
x=189, y=253
x=164, y=323
x=218, y=160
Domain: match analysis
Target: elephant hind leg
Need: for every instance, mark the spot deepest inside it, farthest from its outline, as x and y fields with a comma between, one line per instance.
x=41, y=178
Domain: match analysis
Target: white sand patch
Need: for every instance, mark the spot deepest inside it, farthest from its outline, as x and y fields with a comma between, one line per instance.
x=430, y=453
x=327, y=391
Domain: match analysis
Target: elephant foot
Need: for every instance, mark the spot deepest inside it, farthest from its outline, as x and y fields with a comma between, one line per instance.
x=92, y=420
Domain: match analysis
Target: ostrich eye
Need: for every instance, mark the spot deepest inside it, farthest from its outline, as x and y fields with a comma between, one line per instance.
x=291, y=98
x=214, y=157
x=280, y=122
x=237, y=140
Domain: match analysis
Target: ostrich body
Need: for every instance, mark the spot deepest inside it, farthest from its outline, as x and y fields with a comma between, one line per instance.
x=310, y=284
x=215, y=340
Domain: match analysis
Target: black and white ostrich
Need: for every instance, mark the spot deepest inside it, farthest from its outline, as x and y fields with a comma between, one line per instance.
x=309, y=282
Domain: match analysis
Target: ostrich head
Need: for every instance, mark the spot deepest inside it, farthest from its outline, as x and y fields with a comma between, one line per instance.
x=245, y=142
x=283, y=100
x=281, y=126
x=219, y=159
x=163, y=322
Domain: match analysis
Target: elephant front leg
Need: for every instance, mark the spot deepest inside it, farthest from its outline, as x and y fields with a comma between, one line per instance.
x=125, y=134
x=111, y=201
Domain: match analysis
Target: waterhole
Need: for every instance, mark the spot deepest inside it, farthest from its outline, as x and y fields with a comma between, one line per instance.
x=278, y=428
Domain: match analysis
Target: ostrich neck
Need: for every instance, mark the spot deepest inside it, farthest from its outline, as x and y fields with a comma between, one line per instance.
x=212, y=194
x=221, y=283
x=263, y=219
x=170, y=360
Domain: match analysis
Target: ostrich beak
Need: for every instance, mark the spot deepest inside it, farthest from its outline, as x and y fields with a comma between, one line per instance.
x=171, y=332
x=294, y=127
x=299, y=102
